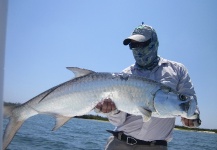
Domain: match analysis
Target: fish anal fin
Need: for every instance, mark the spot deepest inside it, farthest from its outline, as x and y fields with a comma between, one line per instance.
x=60, y=121
x=79, y=71
x=146, y=114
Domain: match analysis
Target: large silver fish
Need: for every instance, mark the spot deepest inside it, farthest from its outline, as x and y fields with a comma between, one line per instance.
x=78, y=96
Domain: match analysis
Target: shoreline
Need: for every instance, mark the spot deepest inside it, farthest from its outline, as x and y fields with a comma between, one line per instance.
x=189, y=130
x=105, y=119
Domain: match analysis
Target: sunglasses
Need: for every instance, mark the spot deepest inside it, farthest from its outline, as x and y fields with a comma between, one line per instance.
x=134, y=45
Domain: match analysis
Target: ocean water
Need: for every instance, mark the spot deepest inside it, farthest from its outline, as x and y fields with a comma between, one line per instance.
x=82, y=134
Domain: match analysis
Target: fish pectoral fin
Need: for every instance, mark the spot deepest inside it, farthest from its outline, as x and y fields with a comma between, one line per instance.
x=79, y=71
x=145, y=118
x=146, y=114
x=60, y=121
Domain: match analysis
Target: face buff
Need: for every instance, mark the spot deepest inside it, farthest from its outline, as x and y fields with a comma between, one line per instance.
x=146, y=57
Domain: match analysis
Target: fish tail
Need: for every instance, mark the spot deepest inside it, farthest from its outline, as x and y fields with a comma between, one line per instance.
x=13, y=125
x=11, y=130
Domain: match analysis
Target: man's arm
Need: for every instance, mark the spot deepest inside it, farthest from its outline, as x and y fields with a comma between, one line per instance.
x=186, y=87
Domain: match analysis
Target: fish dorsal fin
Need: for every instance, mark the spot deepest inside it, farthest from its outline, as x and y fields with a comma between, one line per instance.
x=79, y=71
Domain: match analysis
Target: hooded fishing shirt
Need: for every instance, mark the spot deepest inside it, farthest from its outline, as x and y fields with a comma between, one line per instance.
x=170, y=73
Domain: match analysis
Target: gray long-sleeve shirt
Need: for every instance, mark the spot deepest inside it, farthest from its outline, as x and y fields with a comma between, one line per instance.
x=170, y=73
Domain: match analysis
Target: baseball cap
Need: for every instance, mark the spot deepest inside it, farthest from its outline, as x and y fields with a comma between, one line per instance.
x=141, y=34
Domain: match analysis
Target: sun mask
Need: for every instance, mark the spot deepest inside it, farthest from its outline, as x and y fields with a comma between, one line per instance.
x=145, y=56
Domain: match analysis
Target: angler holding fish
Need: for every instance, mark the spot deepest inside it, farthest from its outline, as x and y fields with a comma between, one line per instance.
x=131, y=132
x=144, y=100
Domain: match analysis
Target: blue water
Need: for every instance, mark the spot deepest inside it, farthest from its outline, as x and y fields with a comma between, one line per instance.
x=81, y=134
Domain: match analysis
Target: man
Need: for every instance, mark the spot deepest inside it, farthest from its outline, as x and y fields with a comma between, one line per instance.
x=131, y=132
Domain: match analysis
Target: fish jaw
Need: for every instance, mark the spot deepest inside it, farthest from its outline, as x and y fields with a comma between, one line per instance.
x=168, y=104
x=192, y=105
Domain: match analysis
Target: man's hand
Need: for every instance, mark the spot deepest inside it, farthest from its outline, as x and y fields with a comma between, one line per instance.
x=191, y=123
x=106, y=106
x=187, y=122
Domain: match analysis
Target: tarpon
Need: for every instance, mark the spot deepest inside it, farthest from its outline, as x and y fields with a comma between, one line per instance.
x=131, y=94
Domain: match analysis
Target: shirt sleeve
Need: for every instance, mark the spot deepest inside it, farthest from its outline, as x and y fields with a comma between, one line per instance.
x=185, y=85
x=117, y=119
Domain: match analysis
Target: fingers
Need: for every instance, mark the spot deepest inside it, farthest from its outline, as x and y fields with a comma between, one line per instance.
x=113, y=107
x=187, y=122
x=106, y=106
x=99, y=106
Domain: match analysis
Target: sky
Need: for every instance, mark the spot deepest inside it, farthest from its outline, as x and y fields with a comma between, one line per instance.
x=44, y=37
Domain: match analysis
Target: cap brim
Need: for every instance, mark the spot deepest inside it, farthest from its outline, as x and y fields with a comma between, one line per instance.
x=135, y=37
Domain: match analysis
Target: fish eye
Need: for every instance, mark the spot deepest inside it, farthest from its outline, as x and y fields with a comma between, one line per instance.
x=183, y=97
